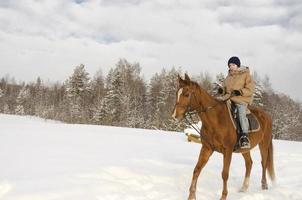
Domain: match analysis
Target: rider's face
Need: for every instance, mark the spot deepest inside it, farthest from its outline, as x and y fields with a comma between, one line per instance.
x=233, y=67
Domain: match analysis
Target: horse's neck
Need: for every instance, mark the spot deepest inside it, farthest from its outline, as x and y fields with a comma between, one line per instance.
x=206, y=101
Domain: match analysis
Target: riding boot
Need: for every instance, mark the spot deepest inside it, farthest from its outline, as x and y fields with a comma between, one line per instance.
x=244, y=141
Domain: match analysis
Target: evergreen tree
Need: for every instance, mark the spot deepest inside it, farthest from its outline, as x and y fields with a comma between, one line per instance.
x=161, y=99
x=21, y=100
x=1, y=93
x=205, y=80
x=153, y=91
x=97, y=87
x=78, y=89
x=113, y=97
x=6, y=109
x=259, y=90
x=157, y=99
x=2, y=102
x=102, y=114
x=219, y=83
x=267, y=86
x=136, y=113
x=19, y=110
x=169, y=94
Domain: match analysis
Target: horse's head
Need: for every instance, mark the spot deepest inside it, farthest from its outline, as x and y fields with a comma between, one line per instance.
x=186, y=100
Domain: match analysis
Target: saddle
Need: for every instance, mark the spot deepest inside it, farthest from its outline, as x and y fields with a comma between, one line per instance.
x=254, y=124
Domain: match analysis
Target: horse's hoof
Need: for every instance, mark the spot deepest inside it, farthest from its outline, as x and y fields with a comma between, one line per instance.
x=223, y=198
x=264, y=187
x=243, y=189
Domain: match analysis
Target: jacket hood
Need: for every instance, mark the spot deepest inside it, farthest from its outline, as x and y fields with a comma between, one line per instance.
x=241, y=70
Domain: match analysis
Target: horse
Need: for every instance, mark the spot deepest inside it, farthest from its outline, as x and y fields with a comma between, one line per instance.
x=219, y=134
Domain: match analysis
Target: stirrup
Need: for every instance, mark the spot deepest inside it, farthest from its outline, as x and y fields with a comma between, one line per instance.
x=245, y=144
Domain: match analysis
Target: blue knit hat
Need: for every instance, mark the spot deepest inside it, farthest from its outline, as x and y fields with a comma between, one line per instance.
x=234, y=60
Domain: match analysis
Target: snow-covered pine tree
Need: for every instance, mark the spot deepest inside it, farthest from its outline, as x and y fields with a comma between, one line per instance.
x=259, y=90
x=131, y=91
x=205, y=81
x=97, y=87
x=169, y=93
x=128, y=76
x=21, y=100
x=102, y=115
x=137, y=115
x=219, y=83
x=115, y=95
x=153, y=98
x=19, y=110
x=1, y=93
x=267, y=86
x=286, y=117
x=2, y=102
x=161, y=97
x=78, y=89
x=38, y=99
x=112, y=104
x=6, y=109
x=160, y=101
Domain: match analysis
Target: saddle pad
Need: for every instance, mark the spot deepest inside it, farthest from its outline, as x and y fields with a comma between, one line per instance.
x=254, y=125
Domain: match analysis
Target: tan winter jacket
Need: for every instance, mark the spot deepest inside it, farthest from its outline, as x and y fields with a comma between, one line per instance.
x=240, y=80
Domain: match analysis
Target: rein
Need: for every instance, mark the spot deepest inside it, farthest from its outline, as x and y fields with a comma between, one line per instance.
x=191, y=111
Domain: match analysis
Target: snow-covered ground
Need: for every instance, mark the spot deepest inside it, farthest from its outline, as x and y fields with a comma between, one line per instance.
x=47, y=160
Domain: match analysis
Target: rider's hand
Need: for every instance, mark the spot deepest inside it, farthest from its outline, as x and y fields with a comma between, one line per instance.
x=236, y=93
x=220, y=90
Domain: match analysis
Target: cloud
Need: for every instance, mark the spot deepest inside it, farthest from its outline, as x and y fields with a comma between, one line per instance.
x=48, y=38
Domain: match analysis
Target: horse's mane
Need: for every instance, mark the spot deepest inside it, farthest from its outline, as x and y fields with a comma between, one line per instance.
x=196, y=85
x=199, y=87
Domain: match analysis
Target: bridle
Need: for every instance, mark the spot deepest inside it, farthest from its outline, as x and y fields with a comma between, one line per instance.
x=189, y=111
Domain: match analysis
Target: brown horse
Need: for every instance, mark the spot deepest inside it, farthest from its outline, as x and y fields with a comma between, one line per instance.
x=218, y=134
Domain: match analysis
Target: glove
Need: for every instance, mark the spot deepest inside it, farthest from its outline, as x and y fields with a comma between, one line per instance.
x=220, y=90
x=236, y=93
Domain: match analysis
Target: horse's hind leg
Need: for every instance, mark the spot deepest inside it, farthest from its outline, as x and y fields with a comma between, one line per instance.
x=248, y=167
x=264, y=154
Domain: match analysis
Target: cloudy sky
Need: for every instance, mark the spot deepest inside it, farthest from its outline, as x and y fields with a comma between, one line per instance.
x=47, y=38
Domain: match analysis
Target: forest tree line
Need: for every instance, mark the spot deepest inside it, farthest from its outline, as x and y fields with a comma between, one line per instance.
x=124, y=98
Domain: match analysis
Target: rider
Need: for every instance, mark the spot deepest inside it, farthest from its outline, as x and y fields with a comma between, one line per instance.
x=239, y=86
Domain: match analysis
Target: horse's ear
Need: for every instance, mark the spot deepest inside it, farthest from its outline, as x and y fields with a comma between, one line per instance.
x=187, y=78
x=179, y=78
x=181, y=81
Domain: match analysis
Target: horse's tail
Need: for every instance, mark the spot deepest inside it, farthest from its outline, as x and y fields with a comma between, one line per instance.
x=270, y=162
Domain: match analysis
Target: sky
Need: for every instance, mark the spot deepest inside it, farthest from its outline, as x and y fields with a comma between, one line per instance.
x=48, y=38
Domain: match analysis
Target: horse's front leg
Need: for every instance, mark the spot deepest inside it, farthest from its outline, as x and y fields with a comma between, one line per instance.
x=227, y=157
x=204, y=156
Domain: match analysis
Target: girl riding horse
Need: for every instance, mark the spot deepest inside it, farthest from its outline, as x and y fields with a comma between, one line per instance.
x=239, y=88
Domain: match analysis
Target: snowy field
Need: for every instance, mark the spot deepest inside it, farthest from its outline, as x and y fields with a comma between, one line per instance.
x=47, y=160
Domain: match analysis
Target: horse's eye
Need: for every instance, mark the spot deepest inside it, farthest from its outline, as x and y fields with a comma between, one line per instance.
x=186, y=95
